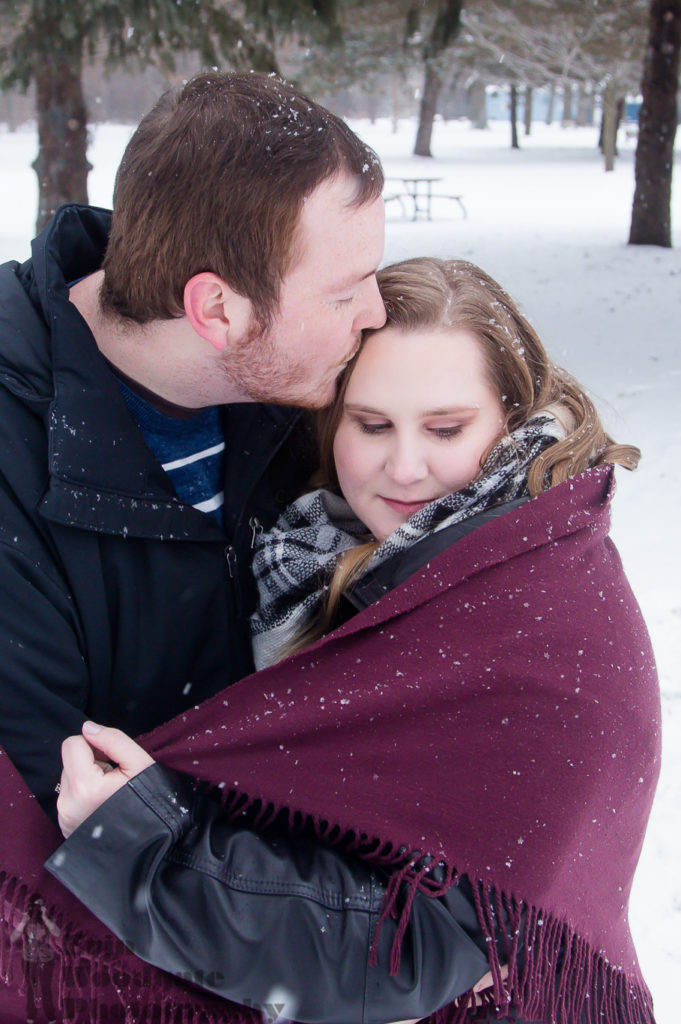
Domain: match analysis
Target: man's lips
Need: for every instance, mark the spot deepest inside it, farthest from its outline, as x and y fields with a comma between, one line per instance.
x=406, y=507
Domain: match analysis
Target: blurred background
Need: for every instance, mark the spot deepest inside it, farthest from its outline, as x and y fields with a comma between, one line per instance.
x=69, y=65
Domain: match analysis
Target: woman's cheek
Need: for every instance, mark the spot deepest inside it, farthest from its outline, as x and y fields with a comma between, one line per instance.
x=351, y=456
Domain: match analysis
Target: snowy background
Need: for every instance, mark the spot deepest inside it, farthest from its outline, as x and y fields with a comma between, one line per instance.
x=551, y=225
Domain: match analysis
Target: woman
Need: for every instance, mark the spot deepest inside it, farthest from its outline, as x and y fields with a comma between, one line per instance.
x=481, y=721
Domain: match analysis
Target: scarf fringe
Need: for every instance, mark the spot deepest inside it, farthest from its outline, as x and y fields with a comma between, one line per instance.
x=100, y=980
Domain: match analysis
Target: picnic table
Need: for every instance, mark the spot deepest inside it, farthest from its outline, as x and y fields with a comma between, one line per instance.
x=419, y=194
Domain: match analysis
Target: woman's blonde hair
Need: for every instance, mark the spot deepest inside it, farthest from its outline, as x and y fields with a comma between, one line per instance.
x=440, y=294
x=431, y=293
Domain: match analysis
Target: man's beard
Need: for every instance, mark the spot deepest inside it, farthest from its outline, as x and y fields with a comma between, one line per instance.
x=259, y=371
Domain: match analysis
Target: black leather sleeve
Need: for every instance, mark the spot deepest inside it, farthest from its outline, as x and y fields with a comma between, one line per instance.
x=260, y=920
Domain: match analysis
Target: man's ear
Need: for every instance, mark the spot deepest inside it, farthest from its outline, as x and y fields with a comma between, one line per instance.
x=215, y=311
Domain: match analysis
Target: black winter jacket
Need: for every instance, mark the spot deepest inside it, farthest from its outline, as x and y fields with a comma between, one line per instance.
x=117, y=601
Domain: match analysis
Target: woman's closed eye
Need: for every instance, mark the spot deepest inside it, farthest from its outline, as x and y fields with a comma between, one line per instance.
x=446, y=433
x=374, y=427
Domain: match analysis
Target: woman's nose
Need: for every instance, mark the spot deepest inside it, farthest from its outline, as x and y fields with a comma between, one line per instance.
x=406, y=465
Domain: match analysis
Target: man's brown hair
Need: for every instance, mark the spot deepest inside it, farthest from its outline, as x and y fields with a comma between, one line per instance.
x=214, y=179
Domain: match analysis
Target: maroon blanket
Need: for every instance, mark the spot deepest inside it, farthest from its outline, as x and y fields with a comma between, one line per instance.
x=499, y=711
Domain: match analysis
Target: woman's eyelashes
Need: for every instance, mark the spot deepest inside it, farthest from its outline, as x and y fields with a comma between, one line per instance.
x=373, y=428
x=443, y=433
x=446, y=433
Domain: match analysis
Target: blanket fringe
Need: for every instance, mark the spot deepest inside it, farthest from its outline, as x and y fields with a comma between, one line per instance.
x=101, y=981
x=541, y=969
x=553, y=975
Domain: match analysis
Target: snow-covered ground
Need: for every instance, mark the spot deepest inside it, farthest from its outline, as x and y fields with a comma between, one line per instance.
x=552, y=226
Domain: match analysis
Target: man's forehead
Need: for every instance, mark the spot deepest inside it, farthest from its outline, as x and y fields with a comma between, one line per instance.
x=340, y=242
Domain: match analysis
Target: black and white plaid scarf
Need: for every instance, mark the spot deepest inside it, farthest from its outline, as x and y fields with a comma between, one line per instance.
x=295, y=559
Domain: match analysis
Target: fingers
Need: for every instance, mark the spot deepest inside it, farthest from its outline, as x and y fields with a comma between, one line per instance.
x=88, y=779
x=116, y=746
x=77, y=755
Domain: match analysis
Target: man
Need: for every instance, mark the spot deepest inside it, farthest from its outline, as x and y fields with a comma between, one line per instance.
x=247, y=226
x=140, y=362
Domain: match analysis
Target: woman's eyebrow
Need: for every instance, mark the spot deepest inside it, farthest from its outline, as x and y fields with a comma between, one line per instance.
x=450, y=409
x=446, y=411
x=354, y=407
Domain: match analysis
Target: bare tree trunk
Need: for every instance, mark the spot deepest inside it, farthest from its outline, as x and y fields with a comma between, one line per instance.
x=444, y=30
x=552, y=100
x=513, y=113
x=477, y=104
x=609, y=129
x=583, y=97
x=395, y=102
x=651, y=215
x=8, y=104
x=620, y=107
x=61, y=164
x=431, y=92
x=567, y=105
x=528, y=109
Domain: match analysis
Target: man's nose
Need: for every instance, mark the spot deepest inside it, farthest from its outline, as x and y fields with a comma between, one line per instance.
x=372, y=313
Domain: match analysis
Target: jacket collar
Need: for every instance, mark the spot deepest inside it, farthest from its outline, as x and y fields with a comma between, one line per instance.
x=102, y=476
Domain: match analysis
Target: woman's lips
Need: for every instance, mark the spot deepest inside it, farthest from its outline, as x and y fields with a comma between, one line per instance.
x=407, y=508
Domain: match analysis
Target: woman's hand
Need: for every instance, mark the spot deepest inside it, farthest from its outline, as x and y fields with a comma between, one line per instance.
x=487, y=981
x=89, y=778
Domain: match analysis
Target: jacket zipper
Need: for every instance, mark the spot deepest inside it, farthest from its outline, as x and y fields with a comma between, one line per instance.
x=256, y=529
x=233, y=570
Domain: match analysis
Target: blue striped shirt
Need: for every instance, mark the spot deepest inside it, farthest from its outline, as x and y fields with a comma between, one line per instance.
x=190, y=448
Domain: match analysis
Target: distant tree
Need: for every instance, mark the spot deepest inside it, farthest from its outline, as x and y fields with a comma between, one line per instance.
x=651, y=216
x=527, y=110
x=560, y=43
x=513, y=115
x=443, y=32
x=585, y=104
x=477, y=103
x=551, y=102
x=371, y=53
x=47, y=43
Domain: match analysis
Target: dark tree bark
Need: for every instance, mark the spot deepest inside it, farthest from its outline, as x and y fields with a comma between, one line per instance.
x=610, y=120
x=620, y=108
x=61, y=164
x=527, y=117
x=445, y=27
x=513, y=113
x=651, y=213
x=431, y=93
